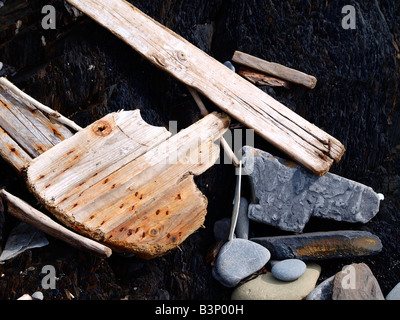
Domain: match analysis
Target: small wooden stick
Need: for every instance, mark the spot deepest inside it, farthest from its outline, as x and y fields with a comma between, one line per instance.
x=25, y=212
x=204, y=112
x=275, y=69
x=54, y=114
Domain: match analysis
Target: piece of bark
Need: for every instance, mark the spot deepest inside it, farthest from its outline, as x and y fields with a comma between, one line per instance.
x=261, y=79
x=30, y=215
x=302, y=141
x=128, y=184
x=275, y=69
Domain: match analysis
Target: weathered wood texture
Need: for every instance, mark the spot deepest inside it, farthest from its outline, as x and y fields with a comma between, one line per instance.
x=261, y=79
x=27, y=213
x=128, y=184
x=275, y=69
x=25, y=132
x=302, y=141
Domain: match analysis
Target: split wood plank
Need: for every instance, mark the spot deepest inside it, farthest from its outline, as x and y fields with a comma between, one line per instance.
x=261, y=79
x=299, y=139
x=128, y=184
x=275, y=69
x=23, y=211
x=25, y=132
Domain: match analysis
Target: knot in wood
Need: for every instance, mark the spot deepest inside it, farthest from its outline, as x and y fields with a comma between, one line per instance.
x=181, y=56
x=101, y=128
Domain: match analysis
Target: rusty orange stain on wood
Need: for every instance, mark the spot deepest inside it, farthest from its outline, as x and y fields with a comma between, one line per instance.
x=101, y=128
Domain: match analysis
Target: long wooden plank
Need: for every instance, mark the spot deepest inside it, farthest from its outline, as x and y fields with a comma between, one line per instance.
x=128, y=184
x=302, y=141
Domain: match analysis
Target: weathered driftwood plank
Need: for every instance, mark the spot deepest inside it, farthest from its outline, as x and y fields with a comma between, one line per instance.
x=302, y=141
x=127, y=184
x=12, y=152
x=25, y=132
x=275, y=69
x=25, y=212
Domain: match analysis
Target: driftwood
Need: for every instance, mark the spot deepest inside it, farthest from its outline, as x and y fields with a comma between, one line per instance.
x=25, y=132
x=25, y=212
x=275, y=69
x=128, y=184
x=302, y=141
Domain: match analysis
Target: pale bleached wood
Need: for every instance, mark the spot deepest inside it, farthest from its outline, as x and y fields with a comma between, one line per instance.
x=203, y=111
x=23, y=211
x=11, y=152
x=31, y=132
x=305, y=143
x=121, y=175
x=52, y=113
x=275, y=69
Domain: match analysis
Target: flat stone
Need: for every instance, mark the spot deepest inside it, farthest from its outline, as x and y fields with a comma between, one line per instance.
x=22, y=237
x=267, y=287
x=356, y=282
x=394, y=294
x=237, y=260
x=322, y=245
x=288, y=195
x=242, y=224
x=323, y=291
x=288, y=270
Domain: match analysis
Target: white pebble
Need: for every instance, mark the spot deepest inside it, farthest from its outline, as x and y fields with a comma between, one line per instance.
x=38, y=295
x=381, y=196
x=25, y=297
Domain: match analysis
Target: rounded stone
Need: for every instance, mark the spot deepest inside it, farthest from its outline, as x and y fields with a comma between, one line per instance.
x=289, y=269
x=267, y=287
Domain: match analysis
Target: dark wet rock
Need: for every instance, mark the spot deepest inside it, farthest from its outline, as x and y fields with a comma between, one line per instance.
x=322, y=245
x=323, y=291
x=242, y=225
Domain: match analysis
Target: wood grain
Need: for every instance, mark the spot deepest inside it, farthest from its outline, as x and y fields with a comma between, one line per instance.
x=302, y=141
x=25, y=132
x=128, y=184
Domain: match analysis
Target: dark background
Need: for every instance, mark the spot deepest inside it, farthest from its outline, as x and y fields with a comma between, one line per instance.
x=85, y=72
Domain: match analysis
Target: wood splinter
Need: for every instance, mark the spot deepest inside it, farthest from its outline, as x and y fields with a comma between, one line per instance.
x=23, y=211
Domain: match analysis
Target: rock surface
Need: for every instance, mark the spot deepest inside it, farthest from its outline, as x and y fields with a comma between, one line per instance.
x=242, y=224
x=288, y=270
x=289, y=195
x=356, y=282
x=237, y=260
x=322, y=245
x=394, y=294
x=23, y=237
x=323, y=291
x=267, y=287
